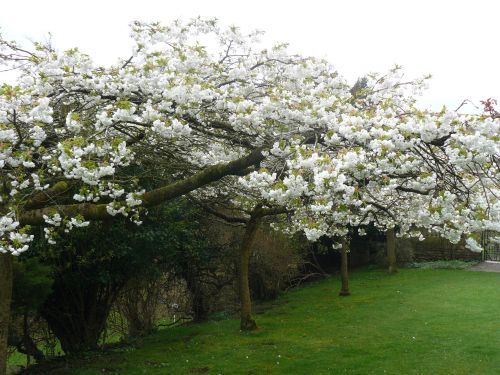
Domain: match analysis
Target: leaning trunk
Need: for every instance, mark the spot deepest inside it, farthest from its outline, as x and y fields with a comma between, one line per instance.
x=247, y=323
x=391, y=250
x=344, y=273
x=6, y=277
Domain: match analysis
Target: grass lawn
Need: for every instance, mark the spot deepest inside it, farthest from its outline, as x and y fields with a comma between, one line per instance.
x=416, y=322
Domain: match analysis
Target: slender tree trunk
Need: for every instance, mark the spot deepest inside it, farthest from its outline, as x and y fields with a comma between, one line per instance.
x=247, y=323
x=344, y=273
x=6, y=279
x=391, y=250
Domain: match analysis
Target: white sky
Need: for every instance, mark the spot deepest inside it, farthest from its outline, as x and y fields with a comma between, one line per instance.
x=456, y=41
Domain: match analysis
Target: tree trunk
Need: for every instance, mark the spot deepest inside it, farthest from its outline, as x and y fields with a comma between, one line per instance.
x=247, y=323
x=6, y=279
x=344, y=273
x=391, y=250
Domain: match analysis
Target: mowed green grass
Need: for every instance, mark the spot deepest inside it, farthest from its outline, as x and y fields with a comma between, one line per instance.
x=416, y=322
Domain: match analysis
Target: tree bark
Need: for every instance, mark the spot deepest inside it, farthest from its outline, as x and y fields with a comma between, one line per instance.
x=247, y=323
x=344, y=272
x=6, y=276
x=391, y=250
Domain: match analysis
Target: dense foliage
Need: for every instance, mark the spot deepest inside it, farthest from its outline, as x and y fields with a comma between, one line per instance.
x=91, y=266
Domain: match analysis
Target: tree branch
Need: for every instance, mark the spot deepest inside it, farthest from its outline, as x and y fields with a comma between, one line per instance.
x=154, y=197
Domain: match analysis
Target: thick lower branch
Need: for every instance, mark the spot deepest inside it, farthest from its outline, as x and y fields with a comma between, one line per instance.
x=155, y=197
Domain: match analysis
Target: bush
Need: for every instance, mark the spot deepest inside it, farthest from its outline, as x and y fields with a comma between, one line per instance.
x=32, y=285
x=276, y=262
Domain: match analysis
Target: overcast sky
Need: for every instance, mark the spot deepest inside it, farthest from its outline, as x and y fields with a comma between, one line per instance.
x=456, y=41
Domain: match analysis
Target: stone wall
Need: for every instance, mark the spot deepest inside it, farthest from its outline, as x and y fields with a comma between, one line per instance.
x=436, y=248
x=372, y=250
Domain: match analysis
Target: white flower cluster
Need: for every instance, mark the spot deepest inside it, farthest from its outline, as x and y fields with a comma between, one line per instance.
x=13, y=241
x=173, y=130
